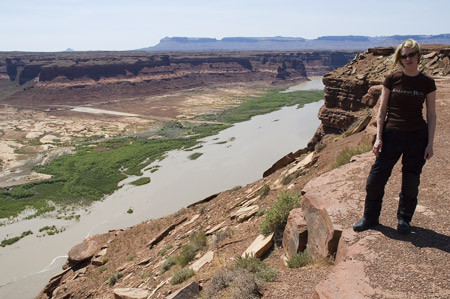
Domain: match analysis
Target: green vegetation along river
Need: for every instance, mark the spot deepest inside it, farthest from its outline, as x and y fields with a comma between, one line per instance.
x=95, y=170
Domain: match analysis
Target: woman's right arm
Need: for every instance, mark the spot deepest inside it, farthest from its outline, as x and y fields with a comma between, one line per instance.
x=381, y=116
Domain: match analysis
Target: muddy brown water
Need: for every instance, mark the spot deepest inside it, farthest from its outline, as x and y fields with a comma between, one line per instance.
x=235, y=157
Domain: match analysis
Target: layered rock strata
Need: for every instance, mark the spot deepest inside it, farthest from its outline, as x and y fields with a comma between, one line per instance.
x=76, y=78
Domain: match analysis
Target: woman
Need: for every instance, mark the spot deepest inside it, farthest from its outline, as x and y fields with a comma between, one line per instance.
x=401, y=131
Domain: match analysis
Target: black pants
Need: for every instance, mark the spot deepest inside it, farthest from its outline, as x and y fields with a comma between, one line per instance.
x=395, y=144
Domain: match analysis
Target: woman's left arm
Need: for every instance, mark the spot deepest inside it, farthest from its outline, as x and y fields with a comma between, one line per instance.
x=431, y=121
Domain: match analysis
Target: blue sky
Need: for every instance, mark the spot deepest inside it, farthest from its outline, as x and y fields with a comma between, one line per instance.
x=54, y=25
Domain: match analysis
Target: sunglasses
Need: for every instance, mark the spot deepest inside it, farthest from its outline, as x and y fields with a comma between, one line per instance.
x=410, y=55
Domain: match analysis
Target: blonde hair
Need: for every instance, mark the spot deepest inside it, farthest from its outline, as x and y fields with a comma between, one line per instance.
x=410, y=43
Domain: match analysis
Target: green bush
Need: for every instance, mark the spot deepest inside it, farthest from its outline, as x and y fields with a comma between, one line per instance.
x=319, y=147
x=188, y=252
x=346, y=154
x=113, y=279
x=168, y=263
x=254, y=265
x=298, y=260
x=182, y=275
x=264, y=190
x=276, y=215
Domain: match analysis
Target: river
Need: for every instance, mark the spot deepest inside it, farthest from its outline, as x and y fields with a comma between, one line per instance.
x=235, y=157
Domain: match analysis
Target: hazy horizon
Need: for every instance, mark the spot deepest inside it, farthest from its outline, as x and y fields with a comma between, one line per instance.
x=55, y=25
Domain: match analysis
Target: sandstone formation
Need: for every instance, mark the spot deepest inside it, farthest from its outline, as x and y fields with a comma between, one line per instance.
x=295, y=234
x=43, y=79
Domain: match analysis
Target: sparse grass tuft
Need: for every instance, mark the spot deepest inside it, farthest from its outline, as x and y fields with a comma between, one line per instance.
x=165, y=249
x=242, y=280
x=169, y=262
x=298, y=260
x=264, y=190
x=277, y=215
x=254, y=265
x=188, y=251
x=113, y=279
x=235, y=188
x=182, y=275
x=319, y=147
x=345, y=155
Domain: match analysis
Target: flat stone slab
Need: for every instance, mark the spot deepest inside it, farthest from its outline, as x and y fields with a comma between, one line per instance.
x=130, y=293
x=245, y=213
x=215, y=228
x=260, y=246
x=162, y=234
x=205, y=259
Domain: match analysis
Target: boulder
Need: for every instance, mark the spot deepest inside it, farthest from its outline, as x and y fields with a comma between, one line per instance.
x=295, y=234
x=323, y=238
x=130, y=293
x=289, y=158
x=260, y=246
x=187, y=292
x=83, y=251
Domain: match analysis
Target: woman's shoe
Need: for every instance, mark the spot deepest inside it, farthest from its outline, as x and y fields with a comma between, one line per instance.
x=403, y=227
x=364, y=224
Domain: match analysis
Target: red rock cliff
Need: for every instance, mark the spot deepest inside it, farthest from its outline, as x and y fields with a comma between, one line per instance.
x=98, y=75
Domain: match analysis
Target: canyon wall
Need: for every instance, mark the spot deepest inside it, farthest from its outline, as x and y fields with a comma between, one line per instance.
x=79, y=77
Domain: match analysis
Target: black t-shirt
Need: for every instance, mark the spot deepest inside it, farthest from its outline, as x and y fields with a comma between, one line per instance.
x=404, y=112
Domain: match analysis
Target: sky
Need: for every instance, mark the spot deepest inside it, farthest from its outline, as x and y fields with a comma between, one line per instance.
x=55, y=25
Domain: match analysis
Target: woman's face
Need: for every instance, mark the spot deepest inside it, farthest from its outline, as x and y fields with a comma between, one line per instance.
x=409, y=58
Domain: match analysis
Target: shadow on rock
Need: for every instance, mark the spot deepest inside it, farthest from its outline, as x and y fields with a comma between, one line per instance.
x=419, y=237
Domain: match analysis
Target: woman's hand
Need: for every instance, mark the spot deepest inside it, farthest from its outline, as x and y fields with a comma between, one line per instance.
x=428, y=152
x=377, y=147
